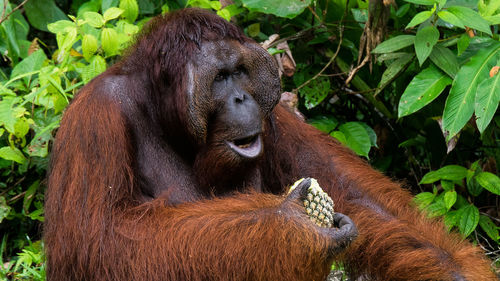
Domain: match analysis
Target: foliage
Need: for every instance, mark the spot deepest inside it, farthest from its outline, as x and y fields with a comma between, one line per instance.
x=421, y=105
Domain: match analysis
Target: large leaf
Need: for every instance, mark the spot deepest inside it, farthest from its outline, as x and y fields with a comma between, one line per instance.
x=450, y=172
x=96, y=66
x=280, y=8
x=94, y=19
x=42, y=12
x=451, y=18
x=460, y=103
x=487, y=98
x=130, y=9
x=489, y=227
x=13, y=154
x=12, y=116
x=394, y=44
x=419, y=18
x=425, y=40
x=423, y=89
x=394, y=69
x=424, y=199
x=324, y=123
x=109, y=41
x=32, y=63
x=357, y=137
x=445, y=59
x=469, y=218
x=61, y=26
x=450, y=197
x=462, y=43
x=89, y=46
x=112, y=13
x=489, y=181
x=470, y=18
x=11, y=36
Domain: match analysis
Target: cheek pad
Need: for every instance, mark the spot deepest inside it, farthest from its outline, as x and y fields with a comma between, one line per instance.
x=264, y=77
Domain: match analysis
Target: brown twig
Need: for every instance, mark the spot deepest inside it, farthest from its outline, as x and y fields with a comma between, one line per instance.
x=2, y=19
x=332, y=59
x=356, y=69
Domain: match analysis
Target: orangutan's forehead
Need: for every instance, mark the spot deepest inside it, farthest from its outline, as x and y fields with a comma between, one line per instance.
x=224, y=54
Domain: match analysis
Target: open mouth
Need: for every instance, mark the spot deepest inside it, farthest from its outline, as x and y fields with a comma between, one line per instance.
x=248, y=147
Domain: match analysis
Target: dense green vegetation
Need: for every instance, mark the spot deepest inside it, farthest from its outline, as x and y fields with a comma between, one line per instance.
x=411, y=85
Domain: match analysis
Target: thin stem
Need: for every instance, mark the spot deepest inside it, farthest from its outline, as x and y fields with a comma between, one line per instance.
x=2, y=19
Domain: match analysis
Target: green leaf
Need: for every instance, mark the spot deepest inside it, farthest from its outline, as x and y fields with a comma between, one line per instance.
x=112, y=13
x=489, y=227
x=469, y=218
x=89, y=46
x=423, y=89
x=463, y=43
x=487, y=98
x=253, y=29
x=445, y=59
x=21, y=127
x=459, y=105
x=216, y=5
x=94, y=19
x=130, y=10
x=96, y=66
x=394, y=44
x=451, y=219
x=339, y=136
x=29, y=196
x=493, y=20
x=32, y=63
x=42, y=12
x=419, y=18
x=450, y=197
x=315, y=92
x=394, y=69
x=436, y=209
x=281, y=8
x=9, y=27
x=450, y=18
x=324, y=123
x=425, y=40
x=109, y=41
x=357, y=138
x=489, y=181
x=422, y=2
x=473, y=186
x=60, y=26
x=470, y=18
x=424, y=199
x=403, y=10
x=450, y=172
x=371, y=133
x=68, y=40
x=13, y=154
x=225, y=14
x=11, y=113
x=447, y=185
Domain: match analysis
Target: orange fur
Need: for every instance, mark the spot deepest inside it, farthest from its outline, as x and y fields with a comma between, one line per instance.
x=396, y=242
x=102, y=225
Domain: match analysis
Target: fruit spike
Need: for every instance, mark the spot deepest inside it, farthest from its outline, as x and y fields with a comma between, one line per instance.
x=318, y=205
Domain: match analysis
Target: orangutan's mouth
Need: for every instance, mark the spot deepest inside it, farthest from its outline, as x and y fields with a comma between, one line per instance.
x=248, y=147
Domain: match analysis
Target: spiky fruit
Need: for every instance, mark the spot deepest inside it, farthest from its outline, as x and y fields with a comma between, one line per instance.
x=318, y=205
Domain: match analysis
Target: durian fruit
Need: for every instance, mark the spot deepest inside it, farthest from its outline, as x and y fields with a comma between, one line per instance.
x=318, y=205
